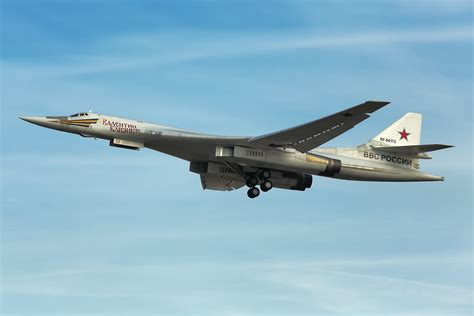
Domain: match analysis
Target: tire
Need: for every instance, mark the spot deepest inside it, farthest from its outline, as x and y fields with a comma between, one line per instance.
x=266, y=186
x=251, y=181
x=265, y=174
x=253, y=192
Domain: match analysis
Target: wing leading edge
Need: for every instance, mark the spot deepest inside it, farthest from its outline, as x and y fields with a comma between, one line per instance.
x=313, y=134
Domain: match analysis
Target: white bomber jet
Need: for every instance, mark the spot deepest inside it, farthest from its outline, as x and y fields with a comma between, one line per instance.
x=286, y=159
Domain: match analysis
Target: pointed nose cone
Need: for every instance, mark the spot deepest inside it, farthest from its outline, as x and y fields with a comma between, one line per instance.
x=38, y=120
x=436, y=178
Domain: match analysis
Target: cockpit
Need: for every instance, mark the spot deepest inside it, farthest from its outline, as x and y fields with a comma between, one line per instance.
x=80, y=114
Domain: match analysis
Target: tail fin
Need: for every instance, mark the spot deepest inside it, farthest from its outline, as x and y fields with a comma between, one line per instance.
x=405, y=131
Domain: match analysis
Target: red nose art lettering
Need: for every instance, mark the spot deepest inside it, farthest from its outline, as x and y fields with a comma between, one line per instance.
x=120, y=127
x=404, y=135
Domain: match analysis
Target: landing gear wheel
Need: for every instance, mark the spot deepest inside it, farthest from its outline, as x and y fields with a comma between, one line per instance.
x=251, y=181
x=267, y=185
x=265, y=174
x=253, y=192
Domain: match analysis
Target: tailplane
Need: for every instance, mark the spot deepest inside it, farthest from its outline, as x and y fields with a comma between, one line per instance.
x=402, y=139
x=416, y=150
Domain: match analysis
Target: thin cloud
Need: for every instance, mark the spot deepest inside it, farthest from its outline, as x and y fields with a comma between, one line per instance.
x=442, y=6
x=325, y=284
x=162, y=50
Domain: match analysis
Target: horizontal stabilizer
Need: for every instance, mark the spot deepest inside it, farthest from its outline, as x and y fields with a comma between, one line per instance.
x=413, y=149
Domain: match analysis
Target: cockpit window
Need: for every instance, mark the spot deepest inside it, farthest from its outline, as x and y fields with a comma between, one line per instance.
x=80, y=114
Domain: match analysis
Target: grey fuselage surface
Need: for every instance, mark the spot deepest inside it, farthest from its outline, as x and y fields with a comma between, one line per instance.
x=227, y=163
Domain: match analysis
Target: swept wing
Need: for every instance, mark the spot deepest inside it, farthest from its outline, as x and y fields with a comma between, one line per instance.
x=313, y=134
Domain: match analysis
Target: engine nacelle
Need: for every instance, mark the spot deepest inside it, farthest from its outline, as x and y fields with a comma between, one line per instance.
x=333, y=166
x=293, y=181
x=215, y=176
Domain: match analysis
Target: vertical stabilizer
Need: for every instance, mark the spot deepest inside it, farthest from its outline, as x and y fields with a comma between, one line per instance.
x=405, y=131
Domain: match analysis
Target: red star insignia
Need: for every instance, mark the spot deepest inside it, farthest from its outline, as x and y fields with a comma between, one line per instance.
x=404, y=134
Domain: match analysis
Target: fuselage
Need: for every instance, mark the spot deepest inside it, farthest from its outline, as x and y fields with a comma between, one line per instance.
x=354, y=163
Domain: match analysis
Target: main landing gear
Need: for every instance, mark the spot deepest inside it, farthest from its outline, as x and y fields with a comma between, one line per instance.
x=253, y=192
x=253, y=180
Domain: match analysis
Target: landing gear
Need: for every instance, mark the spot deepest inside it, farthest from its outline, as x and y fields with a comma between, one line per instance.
x=251, y=181
x=266, y=185
x=254, y=179
x=265, y=174
x=253, y=192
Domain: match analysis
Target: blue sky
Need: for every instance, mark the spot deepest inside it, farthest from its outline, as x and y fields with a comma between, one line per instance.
x=93, y=230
